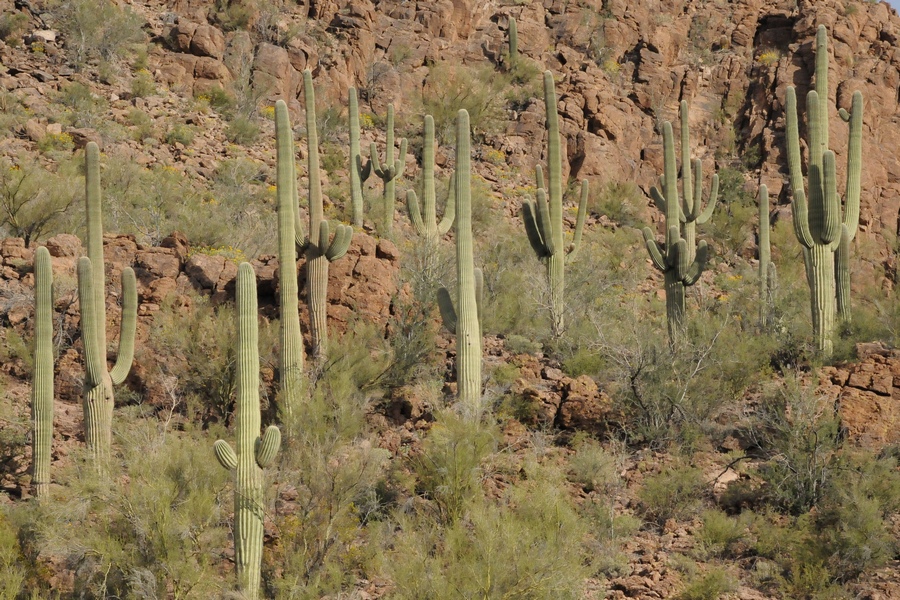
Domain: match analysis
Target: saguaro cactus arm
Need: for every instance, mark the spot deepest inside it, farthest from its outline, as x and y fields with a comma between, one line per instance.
x=127, y=328
x=42, y=377
x=572, y=249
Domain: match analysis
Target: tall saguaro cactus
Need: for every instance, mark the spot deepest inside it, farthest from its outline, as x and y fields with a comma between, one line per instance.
x=513, y=34
x=464, y=319
x=767, y=273
x=818, y=224
x=673, y=257
x=389, y=171
x=320, y=249
x=359, y=173
x=291, y=365
x=254, y=452
x=544, y=220
x=99, y=379
x=42, y=378
x=426, y=225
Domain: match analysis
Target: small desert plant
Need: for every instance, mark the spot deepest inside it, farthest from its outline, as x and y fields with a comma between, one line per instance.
x=674, y=493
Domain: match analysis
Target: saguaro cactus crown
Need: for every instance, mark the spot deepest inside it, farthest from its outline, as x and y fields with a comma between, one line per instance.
x=254, y=452
x=465, y=319
x=426, y=224
x=673, y=257
x=291, y=360
x=320, y=248
x=99, y=380
x=821, y=229
x=389, y=171
x=544, y=220
x=42, y=378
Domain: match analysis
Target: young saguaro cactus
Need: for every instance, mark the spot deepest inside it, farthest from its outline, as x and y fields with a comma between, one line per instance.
x=818, y=224
x=291, y=364
x=513, y=34
x=390, y=171
x=42, y=378
x=254, y=452
x=465, y=319
x=768, y=276
x=426, y=225
x=544, y=220
x=320, y=248
x=99, y=380
x=359, y=173
x=673, y=257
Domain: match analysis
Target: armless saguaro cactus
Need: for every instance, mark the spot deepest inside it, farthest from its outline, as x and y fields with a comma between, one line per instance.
x=513, y=34
x=99, y=380
x=426, y=225
x=768, y=276
x=390, y=171
x=320, y=249
x=291, y=365
x=254, y=452
x=544, y=220
x=673, y=257
x=359, y=173
x=818, y=224
x=465, y=319
x=42, y=378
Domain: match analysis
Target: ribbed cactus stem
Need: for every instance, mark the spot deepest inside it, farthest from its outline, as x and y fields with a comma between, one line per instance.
x=252, y=451
x=42, y=378
x=390, y=170
x=95, y=233
x=513, y=43
x=766, y=267
x=291, y=363
x=424, y=220
x=358, y=172
x=320, y=251
x=468, y=327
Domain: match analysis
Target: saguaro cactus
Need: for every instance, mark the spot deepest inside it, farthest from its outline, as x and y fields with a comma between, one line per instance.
x=291, y=364
x=390, y=171
x=99, y=380
x=42, y=378
x=359, y=173
x=767, y=273
x=464, y=320
x=818, y=223
x=513, y=33
x=320, y=248
x=544, y=221
x=254, y=452
x=426, y=224
x=673, y=257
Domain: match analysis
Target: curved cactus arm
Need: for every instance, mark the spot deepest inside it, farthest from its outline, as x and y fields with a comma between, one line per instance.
x=543, y=222
x=656, y=252
x=449, y=209
x=831, y=231
x=400, y=163
x=267, y=446
x=373, y=160
x=711, y=203
x=365, y=171
x=324, y=235
x=799, y=206
x=658, y=199
x=340, y=244
x=854, y=166
x=693, y=273
x=225, y=454
x=415, y=214
x=127, y=328
x=94, y=357
x=529, y=217
x=539, y=177
x=448, y=312
x=479, y=292
x=572, y=250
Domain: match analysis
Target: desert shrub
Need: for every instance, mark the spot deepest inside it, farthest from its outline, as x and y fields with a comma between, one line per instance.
x=12, y=112
x=592, y=466
x=674, y=493
x=242, y=130
x=709, y=586
x=721, y=533
x=12, y=26
x=142, y=85
x=33, y=201
x=142, y=123
x=12, y=573
x=621, y=202
x=81, y=108
x=179, y=133
x=729, y=227
x=95, y=29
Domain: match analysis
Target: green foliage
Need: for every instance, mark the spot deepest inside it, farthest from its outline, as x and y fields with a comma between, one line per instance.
x=95, y=29
x=451, y=87
x=12, y=573
x=710, y=586
x=242, y=130
x=81, y=108
x=179, y=133
x=142, y=85
x=674, y=493
x=33, y=200
x=620, y=202
x=142, y=123
x=12, y=26
x=721, y=533
x=592, y=467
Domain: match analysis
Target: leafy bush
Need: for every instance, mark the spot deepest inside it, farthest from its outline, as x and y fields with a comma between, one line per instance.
x=180, y=133
x=33, y=201
x=242, y=130
x=674, y=493
x=710, y=586
x=95, y=29
x=721, y=533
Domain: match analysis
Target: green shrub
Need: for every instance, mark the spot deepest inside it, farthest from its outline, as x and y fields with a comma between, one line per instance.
x=674, y=493
x=592, y=467
x=451, y=87
x=12, y=573
x=710, y=586
x=721, y=533
x=242, y=130
x=180, y=133
x=81, y=108
x=33, y=201
x=142, y=85
x=12, y=26
x=95, y=29
x=142, y=123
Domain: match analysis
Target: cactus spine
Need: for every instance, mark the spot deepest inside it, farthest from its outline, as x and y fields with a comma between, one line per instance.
x=253, y=452
x=465, y=319
x=291, y=366
x=358, y=172
x=767, y=272
x=818, y=223
x=544, y=221
x=99, y=380
x=390, y=171
x=319, y=252
x=673, y=257
x=426, y=224
x=42, y=379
